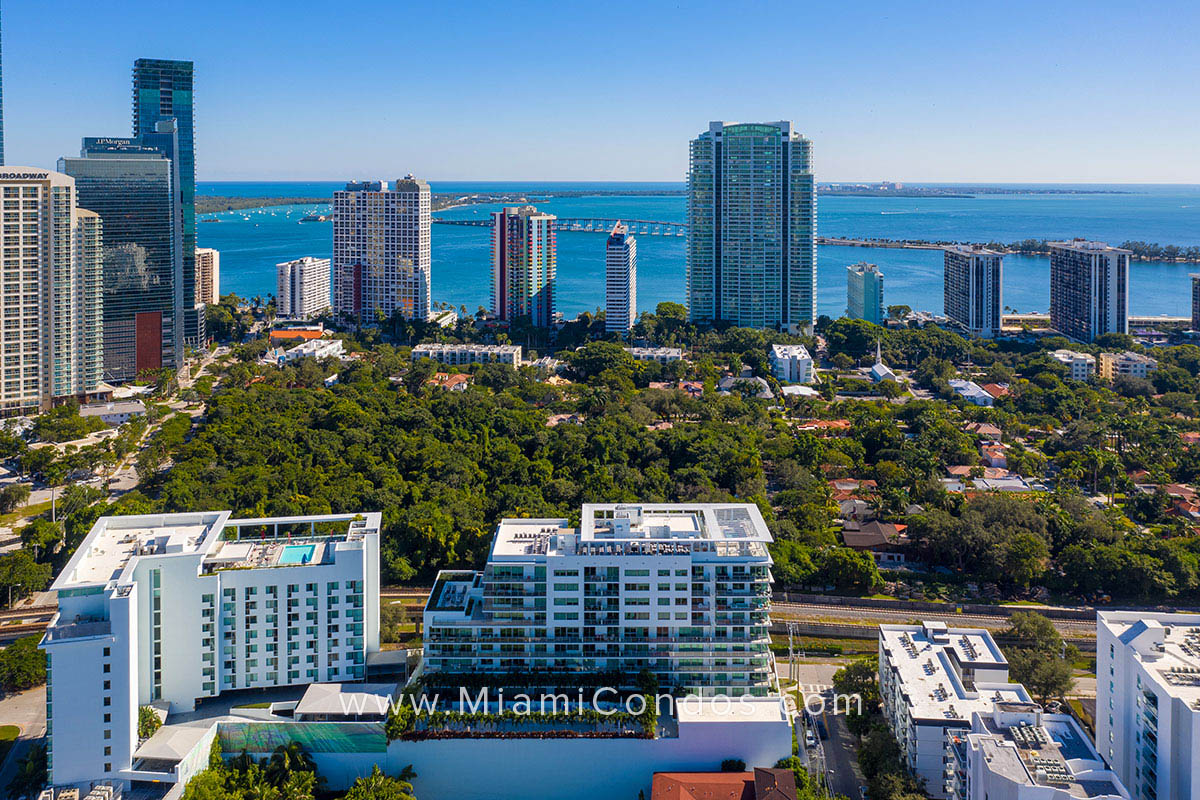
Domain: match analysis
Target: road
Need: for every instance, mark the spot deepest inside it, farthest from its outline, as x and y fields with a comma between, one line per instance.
x=841, y=756
x=817, y=612
x=26, y=710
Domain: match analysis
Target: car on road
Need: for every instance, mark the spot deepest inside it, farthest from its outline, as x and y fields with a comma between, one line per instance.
x=809, y=739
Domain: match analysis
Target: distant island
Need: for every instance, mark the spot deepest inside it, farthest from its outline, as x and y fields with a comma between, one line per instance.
x=890, y=189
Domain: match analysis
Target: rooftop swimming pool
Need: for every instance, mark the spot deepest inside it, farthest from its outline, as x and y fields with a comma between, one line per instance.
x=297, y=554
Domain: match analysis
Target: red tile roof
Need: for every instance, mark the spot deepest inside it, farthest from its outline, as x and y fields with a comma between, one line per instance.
x=761, y=784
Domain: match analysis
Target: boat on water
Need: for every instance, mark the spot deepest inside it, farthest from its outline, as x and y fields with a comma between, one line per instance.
x=315, y=217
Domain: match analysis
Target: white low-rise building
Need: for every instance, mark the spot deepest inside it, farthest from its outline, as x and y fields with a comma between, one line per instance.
x=791, y=363
x=314, y=348
x=663, y=355
x=1080, y=366
x=932, y=679
x=1148, y=701
x=972, y=392
x=115, y=413
x=1017, y=752
x=462, y=354
x=682, y=590
x=1129, y=363
x=174, y=609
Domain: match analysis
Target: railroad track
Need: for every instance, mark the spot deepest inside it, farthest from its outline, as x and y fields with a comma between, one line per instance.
x=10, y=632
x=46, y=611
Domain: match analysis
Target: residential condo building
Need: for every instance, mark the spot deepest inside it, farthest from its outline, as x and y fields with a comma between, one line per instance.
x=302, y=287
x=175, y=609
x=864, y=293
x=1080, y=366
x=973, y=288
x=1089, y=289
x=620, y=287
x=1148, y=701
x=524, y=266
x=1195, y=301
x=682, y=590
x=208, y=276
x=752, y=226
x=461, y=354
x=133, y=184
x=50, y=279
x=381, y=255
x=1128, y=363
x=791, y=363
x=932, y=679
x=162, y=91
x=663, y=355
x=1018, y=752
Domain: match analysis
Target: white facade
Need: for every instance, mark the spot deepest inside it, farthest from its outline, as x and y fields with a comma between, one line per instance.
x=864, y=293
x=381, y=250
x=208, y=275
x=1148, y=701
x=1128, y=363
x=302, y=287
x=663, y=355
x=1080, y=366
x=791, y=363
x=931, y=680
x=973, y=288
x=461, y=354
x=972, y=392
x=315, y=348
x=115, y=413
x=51, y=280
x=1017, y=752
x=175, y=608
x=620, y=284
x=682, y=590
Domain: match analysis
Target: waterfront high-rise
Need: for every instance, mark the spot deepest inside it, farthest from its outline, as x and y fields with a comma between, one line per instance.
x=162, y=90
x=752, y=224
x=132, y=183
x=208, y=275
x=1, y=106
x=864, y=293
x=381, y=255
x=1195, y=301
x=50, y=278
x=620, y=286
x=302, y=287
x=973, y=288
x=524, y=265
x=1089, y=289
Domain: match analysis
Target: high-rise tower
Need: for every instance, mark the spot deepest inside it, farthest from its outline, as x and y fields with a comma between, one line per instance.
x=524, y=265
x=973, y=288
x=864, y=293
x=1089, y=289
x=752, y=223
x=163, y=90
x=620, y=285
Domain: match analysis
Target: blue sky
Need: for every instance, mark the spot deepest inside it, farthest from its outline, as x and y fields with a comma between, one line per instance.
x=966, y=91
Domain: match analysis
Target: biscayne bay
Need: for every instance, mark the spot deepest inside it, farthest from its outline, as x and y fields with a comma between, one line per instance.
x=253, y=241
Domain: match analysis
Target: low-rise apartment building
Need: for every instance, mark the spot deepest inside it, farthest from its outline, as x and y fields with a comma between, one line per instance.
x=1129, y=363
x=682, y=590
x=663, y=355
x=462, y=354
x=932, y=679
x=1018, y=752
x=791, y=363
x=174, y=609
x=1148, y=701
x=1080, y=366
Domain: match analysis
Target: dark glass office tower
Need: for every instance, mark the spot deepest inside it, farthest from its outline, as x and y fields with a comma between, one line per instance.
x=163, y=90
x=133, y=184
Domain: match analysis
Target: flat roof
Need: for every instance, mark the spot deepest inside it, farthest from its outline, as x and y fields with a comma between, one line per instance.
x=346, y=699
x=926, y=660
x=171, y=743
x=1168, y=645
x=741, y=709
x=115, y=542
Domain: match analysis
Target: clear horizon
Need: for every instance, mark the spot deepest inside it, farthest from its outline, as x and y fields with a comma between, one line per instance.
x=949, y=92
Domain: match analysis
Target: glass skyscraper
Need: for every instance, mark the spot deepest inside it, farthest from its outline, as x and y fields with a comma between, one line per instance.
x=162, y=90
x=752, y=224
x=133, y=184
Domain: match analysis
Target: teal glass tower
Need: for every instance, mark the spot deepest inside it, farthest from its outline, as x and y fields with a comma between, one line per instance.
x=752, y=224
x=162, y=90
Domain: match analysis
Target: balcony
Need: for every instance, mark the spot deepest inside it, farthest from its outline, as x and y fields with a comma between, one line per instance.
x=82, y=629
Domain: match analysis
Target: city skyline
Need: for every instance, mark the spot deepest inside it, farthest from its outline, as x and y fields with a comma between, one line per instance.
x=896, y=112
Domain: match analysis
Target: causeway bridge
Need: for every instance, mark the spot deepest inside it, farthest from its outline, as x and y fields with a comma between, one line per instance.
x=638, y=227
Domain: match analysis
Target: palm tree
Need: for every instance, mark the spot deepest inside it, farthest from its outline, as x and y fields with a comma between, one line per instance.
x=287, y=759
x=31, y=774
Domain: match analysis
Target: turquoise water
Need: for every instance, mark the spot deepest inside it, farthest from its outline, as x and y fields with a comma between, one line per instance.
x=297, y=554
x=252, y=242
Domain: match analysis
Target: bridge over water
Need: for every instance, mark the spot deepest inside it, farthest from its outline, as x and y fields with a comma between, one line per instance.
x=639, y=227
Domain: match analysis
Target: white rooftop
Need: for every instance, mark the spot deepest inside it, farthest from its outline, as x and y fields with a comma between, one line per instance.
x=643, y=529
x=345, y=700
x=1084, y=244
x=789, y=351
x=1167, y=644
x=930, y=660
x=745, y=709
x=114, y=541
